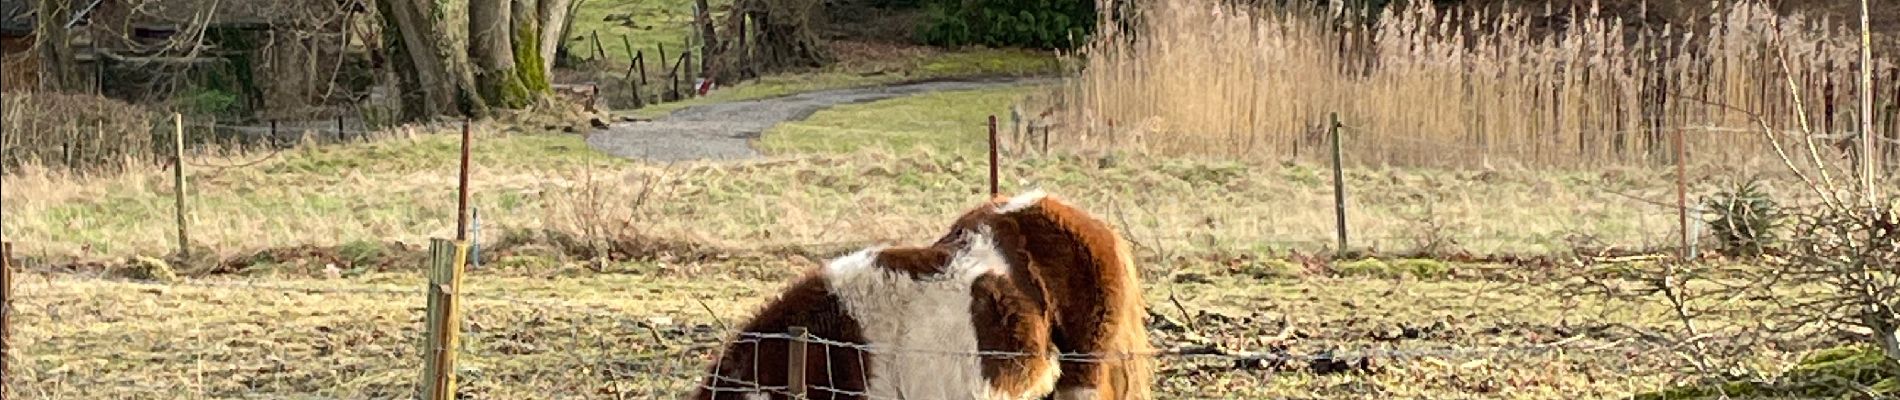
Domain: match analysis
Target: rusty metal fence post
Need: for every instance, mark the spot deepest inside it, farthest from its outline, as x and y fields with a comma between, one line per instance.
x=6, y=316
x=994, y=189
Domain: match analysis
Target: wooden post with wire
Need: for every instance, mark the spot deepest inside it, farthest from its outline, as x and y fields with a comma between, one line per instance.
x=1682, y=196
x=178, y=183
x=446, y=259
x=1339, y=185
x=795, y=362
x=994, y=189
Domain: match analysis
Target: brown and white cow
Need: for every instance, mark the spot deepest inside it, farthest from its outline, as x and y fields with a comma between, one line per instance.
x=1082, y=275
x=939, y=322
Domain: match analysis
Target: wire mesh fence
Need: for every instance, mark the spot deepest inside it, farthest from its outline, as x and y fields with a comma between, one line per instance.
x=321, y=339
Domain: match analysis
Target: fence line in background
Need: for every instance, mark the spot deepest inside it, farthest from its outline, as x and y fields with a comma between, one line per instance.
x=444, y=312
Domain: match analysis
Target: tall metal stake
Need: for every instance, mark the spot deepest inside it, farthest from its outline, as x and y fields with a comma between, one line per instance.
x=461, y=204
x=994, y=189
x=6, y=315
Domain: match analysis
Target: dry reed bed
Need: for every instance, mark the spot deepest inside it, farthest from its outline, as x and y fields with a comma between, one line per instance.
x=1424, y=86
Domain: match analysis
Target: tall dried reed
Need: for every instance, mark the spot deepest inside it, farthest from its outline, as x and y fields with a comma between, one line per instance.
x=1430, y=87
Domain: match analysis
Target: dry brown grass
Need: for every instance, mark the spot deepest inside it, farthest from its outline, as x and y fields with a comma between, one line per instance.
x=627, y=335
x=1429, y=87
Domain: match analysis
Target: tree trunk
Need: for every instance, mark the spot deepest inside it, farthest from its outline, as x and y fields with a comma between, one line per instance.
x=556, y=19
x=709, y=37
x=786, y=39
x=56, y=56
x=432, y=89
x=529, y=32
x=491, y=46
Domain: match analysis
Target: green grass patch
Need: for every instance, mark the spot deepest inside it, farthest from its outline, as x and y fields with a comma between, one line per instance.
x=952, y=122
x=1834, y=373
x=444, y=151
x=1405, y=268
x=987, y=61
x=648, y=24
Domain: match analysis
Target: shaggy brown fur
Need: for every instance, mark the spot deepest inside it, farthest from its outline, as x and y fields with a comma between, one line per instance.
x=1082, y=274
x=809, y=304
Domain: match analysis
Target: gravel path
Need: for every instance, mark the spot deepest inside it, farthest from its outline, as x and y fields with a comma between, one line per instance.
x=722, y=131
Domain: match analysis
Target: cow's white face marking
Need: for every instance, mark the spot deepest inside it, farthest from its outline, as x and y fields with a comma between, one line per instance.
x=922, y=338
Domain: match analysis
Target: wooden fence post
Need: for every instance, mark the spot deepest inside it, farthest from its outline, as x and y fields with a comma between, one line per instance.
x=640, y=57
x=795, y=363
x=178, y=183
x=6, y=315
x=600, y=52
x=444, y=323
x=1339, y=185
x=1682, y=196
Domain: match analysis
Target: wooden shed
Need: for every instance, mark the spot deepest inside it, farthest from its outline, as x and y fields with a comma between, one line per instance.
x=20, y=64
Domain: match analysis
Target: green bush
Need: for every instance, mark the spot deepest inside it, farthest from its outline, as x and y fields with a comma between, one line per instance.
x=1046, y=24
x=1743, y=219
x=207, y=101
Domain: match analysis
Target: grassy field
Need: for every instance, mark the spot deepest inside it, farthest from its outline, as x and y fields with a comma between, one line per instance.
x=646, y=25
x=640, y=332
x=544, y=190
x=602, y=275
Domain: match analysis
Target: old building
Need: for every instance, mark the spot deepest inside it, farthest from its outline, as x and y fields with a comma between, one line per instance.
x=20, y=64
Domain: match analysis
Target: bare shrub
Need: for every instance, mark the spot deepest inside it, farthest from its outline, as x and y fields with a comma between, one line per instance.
x=76, y=131
x=604, y=220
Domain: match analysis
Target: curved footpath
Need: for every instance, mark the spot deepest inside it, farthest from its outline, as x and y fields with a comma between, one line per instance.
x=722, y=131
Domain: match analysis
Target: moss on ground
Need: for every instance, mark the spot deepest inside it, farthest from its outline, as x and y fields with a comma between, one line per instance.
x=1403, y=268
x=1847, y=372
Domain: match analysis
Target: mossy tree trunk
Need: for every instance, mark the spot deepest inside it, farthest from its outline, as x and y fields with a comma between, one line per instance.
x=506, y=38
x=556, y=19
x=530, y=30
x=492, y=47
x=774, y=36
